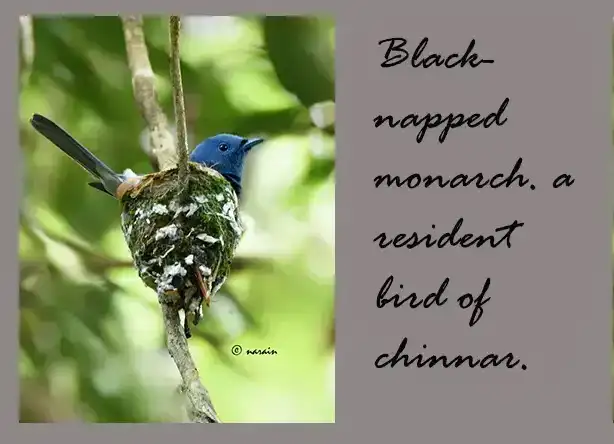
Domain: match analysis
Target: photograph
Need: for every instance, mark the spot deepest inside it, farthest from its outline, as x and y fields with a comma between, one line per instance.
x=177, y=219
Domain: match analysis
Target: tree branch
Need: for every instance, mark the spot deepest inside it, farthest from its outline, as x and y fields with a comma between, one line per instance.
x=144, y=87
x=27, y=39
x=180, y=119
x=200, y=409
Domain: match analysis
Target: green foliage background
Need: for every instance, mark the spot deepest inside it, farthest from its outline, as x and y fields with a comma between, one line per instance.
x=91, y=339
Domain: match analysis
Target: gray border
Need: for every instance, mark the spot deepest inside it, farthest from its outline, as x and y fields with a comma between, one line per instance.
x=562, y=327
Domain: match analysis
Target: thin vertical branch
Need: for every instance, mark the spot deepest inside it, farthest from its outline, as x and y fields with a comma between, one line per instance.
x=180, y=118
x=27, y=39
x=200, y=408
x=144, y=87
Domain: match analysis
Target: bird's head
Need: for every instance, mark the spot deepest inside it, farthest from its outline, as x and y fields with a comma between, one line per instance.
x=225, y=153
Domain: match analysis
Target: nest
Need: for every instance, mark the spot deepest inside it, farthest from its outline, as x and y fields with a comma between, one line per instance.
x=182, y=241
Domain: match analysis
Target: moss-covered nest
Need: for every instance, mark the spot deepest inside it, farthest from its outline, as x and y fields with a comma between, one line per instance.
x=176, y=238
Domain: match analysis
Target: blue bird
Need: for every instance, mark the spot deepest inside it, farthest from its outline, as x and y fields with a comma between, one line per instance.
x=224, y=153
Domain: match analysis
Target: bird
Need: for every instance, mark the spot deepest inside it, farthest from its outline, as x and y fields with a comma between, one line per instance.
x=224, y=153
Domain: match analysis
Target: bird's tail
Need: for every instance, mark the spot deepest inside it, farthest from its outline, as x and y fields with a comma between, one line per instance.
x=64, y=141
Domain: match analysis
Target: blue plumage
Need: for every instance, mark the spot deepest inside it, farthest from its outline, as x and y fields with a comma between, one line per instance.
x=225, y=153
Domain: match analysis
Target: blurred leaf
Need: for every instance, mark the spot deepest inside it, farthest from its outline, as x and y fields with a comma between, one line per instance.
x=273, y=123
x=244, y=312
x=302, y=55
x=319, y=170
x=65, y=65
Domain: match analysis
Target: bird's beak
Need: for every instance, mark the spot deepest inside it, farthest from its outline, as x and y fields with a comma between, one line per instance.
x=252, y=143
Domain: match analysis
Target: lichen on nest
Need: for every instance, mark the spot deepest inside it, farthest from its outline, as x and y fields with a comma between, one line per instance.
x=176, y=234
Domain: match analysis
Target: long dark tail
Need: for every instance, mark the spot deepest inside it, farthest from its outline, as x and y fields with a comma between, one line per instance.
x=64, y=141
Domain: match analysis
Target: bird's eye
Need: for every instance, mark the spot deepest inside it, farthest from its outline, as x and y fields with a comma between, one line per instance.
x=223, y=147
